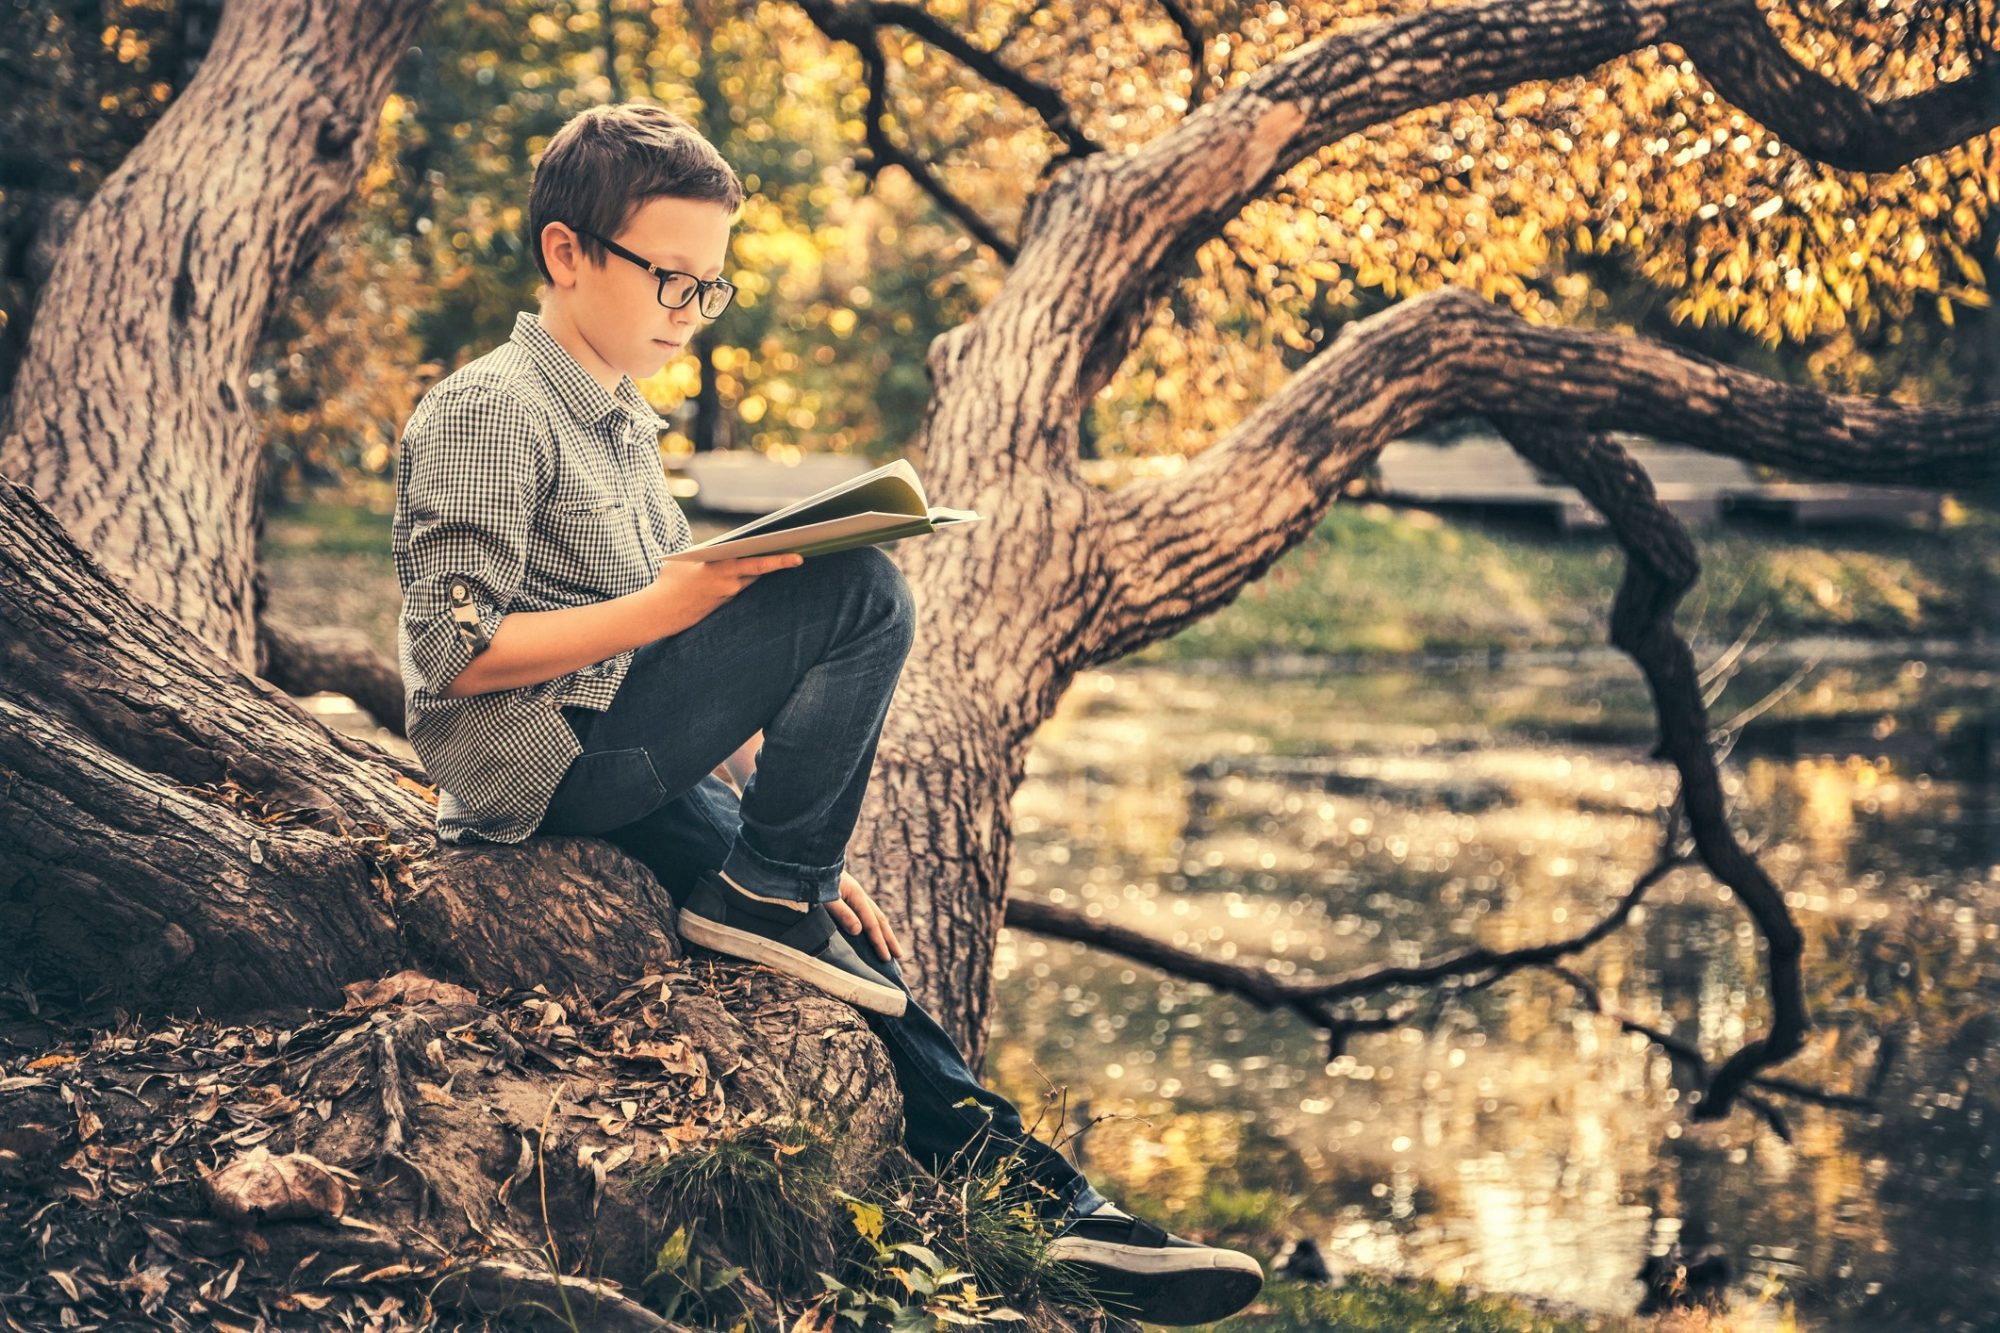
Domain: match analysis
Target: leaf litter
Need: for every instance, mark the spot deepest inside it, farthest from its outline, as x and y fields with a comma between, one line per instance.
x=345, y=1170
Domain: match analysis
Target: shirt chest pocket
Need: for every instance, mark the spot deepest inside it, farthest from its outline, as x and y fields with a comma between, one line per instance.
x=592, y=548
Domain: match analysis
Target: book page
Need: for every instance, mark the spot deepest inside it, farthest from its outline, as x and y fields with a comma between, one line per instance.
x=891, y=488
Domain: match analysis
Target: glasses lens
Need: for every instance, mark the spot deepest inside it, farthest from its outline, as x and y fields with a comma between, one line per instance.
x=715, y=300
x=675, y=289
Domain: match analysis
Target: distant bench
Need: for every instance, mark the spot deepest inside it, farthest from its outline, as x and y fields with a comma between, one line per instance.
x=743, y=481
x=1483, y=472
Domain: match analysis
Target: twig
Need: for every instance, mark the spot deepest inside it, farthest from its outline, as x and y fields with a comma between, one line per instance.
x=492, y=1286
x=389, y=1075
x=542, y=1187
x=1685, y=1054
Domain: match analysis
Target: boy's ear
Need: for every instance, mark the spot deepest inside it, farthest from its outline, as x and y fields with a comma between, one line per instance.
x=561, y=252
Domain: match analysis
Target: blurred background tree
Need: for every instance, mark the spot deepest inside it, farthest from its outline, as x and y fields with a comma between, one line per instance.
x=1631, y=200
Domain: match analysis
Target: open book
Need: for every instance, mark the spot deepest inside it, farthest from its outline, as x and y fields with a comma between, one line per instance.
x=885, y=505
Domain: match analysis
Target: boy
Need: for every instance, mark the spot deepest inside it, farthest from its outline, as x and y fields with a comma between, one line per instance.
x=562, y=676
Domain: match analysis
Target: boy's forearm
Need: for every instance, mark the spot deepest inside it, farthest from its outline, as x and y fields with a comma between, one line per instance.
x=529, y=647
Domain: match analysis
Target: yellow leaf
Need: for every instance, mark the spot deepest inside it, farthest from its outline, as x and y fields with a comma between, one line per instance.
x=867, y=1218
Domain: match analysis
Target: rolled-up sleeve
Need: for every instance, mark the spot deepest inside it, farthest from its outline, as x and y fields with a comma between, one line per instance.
x=468, y=475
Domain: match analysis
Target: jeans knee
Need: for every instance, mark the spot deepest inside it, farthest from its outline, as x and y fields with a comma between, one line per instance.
x=888, y=588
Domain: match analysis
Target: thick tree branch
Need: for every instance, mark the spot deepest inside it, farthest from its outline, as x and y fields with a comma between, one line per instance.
x=1184, y=545
x=179, y=833
x=300, y=659
x=1553, y=402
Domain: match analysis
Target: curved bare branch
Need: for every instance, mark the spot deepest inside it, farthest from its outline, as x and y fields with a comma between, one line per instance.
x=859, y=25
x=887, y=152
x=1314, y=998
x=1043, y=100
x=1197, y=45
x=1736, y=51
x=1660, y=566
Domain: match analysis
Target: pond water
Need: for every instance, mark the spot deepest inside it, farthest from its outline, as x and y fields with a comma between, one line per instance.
x=1316, y=822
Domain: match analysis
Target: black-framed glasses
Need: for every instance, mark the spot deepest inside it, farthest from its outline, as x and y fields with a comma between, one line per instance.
x=676, y=288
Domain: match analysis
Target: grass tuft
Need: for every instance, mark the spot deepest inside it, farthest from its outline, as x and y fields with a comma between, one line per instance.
x=768, y=1191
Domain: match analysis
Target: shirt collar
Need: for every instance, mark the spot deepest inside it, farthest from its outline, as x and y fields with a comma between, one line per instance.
x=576, y=387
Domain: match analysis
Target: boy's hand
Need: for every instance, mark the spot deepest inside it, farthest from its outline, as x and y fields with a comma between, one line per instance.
x=855, y=909
x=690, y=591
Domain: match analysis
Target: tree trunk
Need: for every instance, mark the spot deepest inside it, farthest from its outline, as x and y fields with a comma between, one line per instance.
x=130, y=416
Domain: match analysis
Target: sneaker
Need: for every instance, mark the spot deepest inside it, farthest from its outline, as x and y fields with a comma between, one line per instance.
x=804, y=944
x=1137, y=1270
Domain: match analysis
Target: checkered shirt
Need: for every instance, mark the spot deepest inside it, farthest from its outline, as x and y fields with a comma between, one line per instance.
x=521, y=485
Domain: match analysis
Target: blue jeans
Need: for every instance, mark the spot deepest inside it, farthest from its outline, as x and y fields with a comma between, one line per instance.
x=811, y=656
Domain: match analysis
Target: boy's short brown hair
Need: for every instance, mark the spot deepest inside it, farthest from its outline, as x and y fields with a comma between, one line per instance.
x=605, y=163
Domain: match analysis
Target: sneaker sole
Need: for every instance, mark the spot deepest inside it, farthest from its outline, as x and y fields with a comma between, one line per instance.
x=834, y=981
x=1165, y=1286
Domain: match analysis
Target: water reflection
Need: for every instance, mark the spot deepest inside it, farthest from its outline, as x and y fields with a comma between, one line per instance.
x=1516, y=1141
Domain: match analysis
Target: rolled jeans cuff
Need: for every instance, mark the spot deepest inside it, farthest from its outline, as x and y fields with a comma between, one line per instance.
x=782, y=879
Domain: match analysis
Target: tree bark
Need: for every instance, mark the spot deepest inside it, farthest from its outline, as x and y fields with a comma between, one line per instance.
x=130, y=415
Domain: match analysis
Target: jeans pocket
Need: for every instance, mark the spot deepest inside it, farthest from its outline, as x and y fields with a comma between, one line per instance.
x=604, y=791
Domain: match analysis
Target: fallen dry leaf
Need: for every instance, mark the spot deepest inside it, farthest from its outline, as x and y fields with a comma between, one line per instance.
x=260, y=1187
x=148, y=1286
x=406, y=987
x=410, y=784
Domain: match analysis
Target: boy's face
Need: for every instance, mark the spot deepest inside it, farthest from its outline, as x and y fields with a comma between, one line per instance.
x=614, y=304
